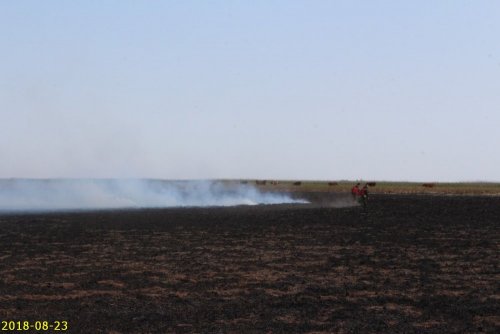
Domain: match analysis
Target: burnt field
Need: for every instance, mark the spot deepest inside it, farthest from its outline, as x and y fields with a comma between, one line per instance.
x=405, y=264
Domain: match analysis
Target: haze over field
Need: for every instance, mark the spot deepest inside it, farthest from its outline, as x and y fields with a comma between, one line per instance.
x=392, y=90
x=29, y=195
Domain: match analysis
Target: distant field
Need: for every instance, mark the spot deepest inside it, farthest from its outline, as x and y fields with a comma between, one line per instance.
x=465, y=188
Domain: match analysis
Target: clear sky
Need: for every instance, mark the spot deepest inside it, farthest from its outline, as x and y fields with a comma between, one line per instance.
x=393, y=90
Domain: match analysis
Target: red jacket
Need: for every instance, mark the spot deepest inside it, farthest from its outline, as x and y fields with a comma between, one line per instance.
x=355, y=190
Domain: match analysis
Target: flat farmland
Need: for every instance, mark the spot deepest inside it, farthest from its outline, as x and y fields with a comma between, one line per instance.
x=382, y=187
x=405, y=264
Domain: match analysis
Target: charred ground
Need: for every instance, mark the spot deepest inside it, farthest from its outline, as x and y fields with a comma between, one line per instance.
x=408, y=264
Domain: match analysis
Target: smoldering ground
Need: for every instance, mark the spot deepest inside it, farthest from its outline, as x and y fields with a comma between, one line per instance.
x=81, y=194
x=407, y=264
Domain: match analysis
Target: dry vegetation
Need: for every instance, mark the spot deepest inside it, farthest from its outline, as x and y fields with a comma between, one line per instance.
x=464, y=188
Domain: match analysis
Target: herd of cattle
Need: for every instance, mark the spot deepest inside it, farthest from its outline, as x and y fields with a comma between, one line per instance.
x=299, y=183
x=296, y=183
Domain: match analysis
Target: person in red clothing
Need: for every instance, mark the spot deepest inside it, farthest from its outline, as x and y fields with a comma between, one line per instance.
x=363, y=195
x=355, y=192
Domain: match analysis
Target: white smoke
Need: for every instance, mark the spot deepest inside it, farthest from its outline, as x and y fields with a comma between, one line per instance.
x=80, y=194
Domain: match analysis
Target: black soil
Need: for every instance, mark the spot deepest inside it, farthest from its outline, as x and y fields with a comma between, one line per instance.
x=405, y=264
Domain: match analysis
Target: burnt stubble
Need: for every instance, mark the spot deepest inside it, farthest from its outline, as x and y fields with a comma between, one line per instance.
x=404, y=264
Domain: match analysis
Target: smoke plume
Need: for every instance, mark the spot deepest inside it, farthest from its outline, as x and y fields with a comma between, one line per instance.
x=81, y=194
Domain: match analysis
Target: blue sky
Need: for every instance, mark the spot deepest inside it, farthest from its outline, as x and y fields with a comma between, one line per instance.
x=392, y=90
